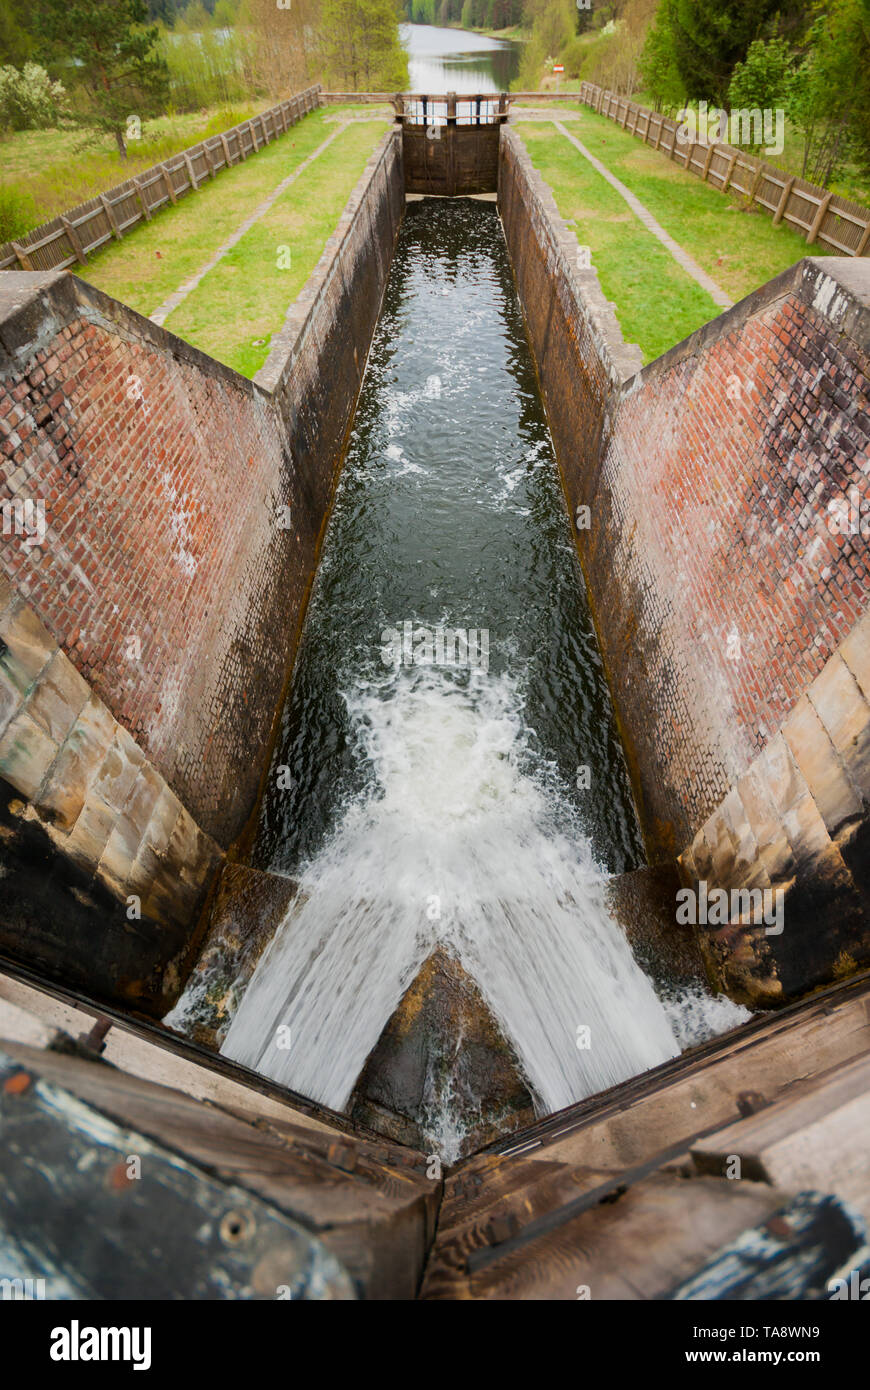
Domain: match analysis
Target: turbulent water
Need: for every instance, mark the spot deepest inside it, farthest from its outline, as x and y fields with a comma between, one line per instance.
x=480, y=806
x=453, y=844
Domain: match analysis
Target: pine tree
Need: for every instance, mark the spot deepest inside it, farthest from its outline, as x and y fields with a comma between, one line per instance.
x=109, y=42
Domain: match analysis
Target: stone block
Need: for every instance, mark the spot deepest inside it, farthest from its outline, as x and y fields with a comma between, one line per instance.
x=121, y=766
x=11, y=699
x=166, y=811
x=783, y=782
x=58, y=697
x=77, y=765
x=30, y=645
x=855, y=651
x=774, y=850
x=814, y=754
x=190, y=853
x=90, y=834
x=807, y=832
x=26, y=754
x=140, y=804
x=840, y=705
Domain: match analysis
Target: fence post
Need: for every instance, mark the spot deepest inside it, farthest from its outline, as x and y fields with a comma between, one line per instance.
x=818, y=219
x=710, y=149
x=170, y=186
x=753, y=187
x=190, y=172
x=783, y=201
x=146, y=211
x=225, y=144
x=110, y=217
x=730, y=170
x=74, y=241
x=862, y=244
x=23, y=258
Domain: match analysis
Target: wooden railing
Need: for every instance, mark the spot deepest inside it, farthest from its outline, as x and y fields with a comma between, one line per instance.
x=451, y=108
x=71, y=236
x=822, y=216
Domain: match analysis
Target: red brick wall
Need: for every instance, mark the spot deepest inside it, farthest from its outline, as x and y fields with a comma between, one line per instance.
x=164, y=477
x=710, y=518
x=161, y=475
x=708, y=476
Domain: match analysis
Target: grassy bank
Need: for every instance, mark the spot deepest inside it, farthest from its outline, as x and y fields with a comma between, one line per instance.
x=242, y=302
x=47, y=171
x=657, y=303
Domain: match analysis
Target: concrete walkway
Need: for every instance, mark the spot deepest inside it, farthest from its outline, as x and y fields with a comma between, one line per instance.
x=683, y=259
x=178, y=296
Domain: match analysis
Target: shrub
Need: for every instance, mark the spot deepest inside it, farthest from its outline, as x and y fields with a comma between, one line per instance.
x=29, y=100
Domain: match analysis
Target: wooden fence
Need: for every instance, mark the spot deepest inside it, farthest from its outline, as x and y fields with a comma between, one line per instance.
x=822, y=216
x=75, y=233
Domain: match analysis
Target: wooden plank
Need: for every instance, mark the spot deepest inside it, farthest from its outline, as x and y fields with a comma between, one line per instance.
x=112, y=219
x=75, y=241
x=146, y=211
x=783, y=201
x=170, y=187
x=819, y=218
x=817, y=1136
x=191, y=173
x=729, y=171
x=22, y=256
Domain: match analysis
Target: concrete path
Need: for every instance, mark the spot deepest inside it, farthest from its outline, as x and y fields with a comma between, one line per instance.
x=178, y=296
x=683, y=259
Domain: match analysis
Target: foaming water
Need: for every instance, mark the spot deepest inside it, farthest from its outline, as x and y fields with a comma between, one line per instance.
x=453, y=843
x=424, y=806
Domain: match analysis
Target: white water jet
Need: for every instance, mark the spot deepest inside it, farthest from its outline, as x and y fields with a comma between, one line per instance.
x=453, y=842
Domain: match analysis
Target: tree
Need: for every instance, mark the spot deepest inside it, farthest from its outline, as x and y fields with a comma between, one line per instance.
x=29, y=100
x=829, y=96
x=109, y=43
x=763, y=79
x=658, y=63
x=709, y=40
x=16, y=42
x=361, y=44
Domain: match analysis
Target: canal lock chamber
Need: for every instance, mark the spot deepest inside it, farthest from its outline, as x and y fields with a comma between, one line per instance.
x=441, y=919
x=448, y=795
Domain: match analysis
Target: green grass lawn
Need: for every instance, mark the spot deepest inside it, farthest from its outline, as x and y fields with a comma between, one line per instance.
x=155, y=259
x=740, y=248
x=51, y=170
x=657, y=303
x=236, y=308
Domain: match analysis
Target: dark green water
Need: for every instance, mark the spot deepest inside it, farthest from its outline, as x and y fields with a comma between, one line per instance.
x=427, y=806
x=449, y=510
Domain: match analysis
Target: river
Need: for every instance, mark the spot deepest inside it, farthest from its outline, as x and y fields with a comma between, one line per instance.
x=455, y=60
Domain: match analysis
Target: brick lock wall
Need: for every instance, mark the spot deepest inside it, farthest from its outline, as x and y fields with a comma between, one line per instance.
x=718, y=588
x=171, y=572
x=161, y=568
x=718, y=578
